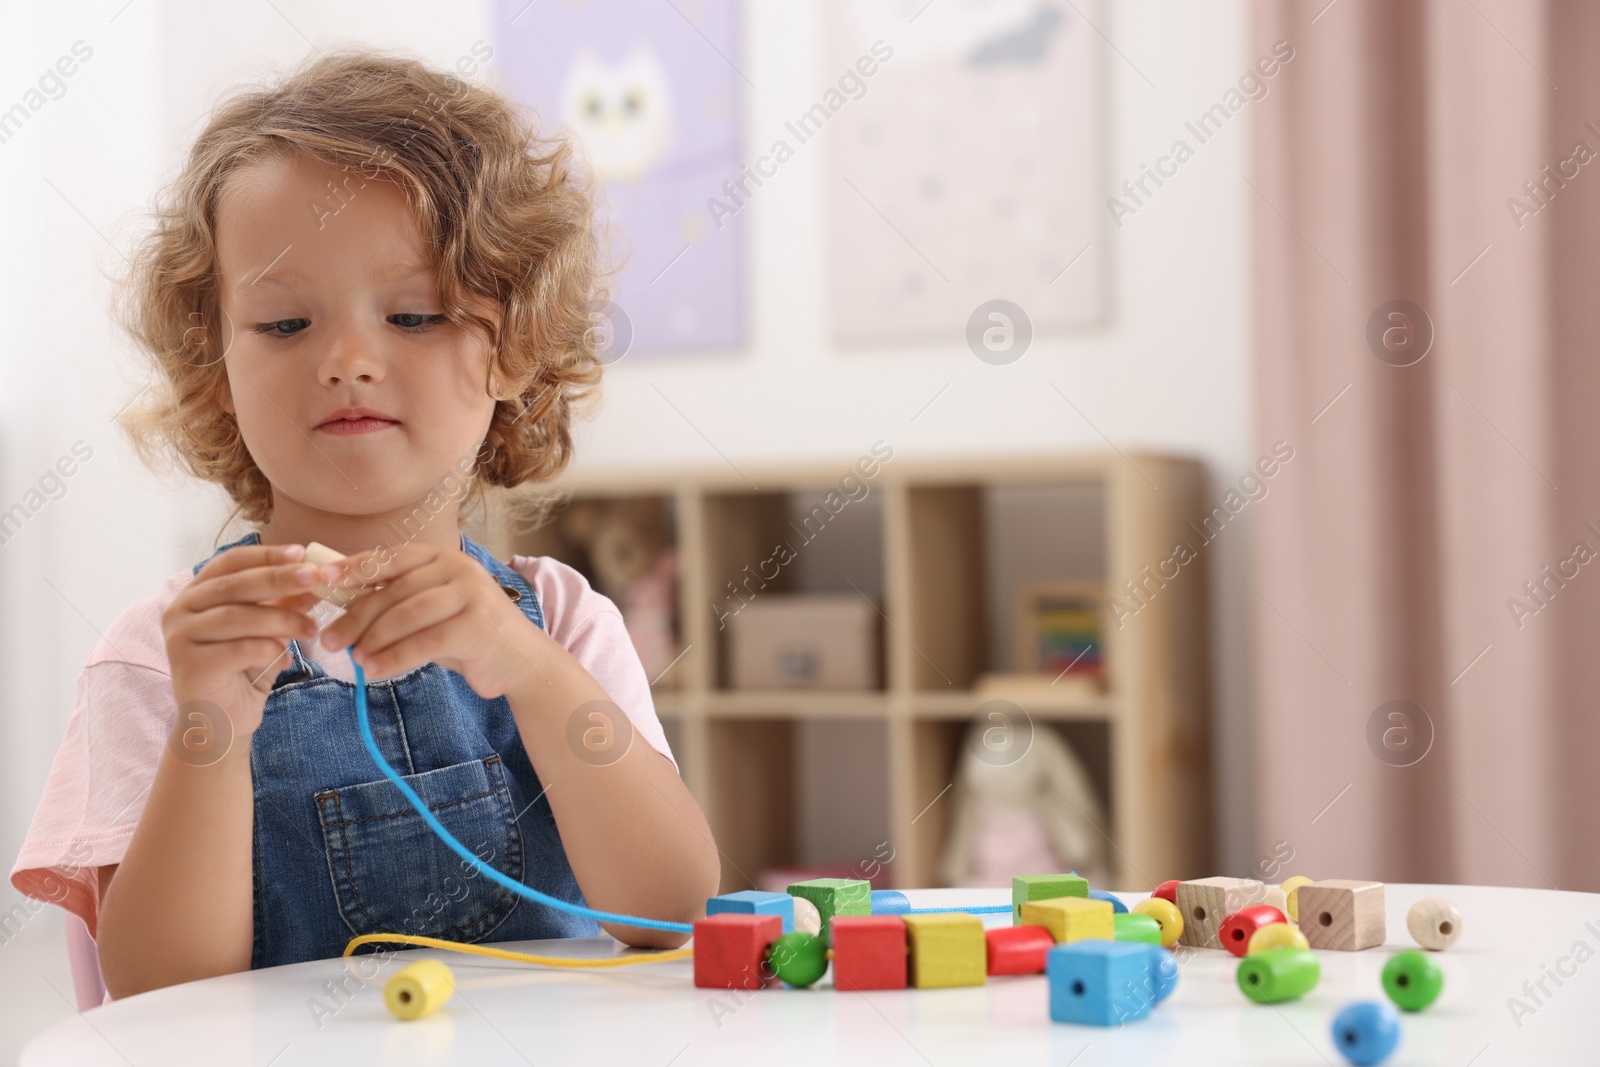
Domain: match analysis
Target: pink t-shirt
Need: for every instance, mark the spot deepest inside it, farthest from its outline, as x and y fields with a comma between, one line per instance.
x=102, y=773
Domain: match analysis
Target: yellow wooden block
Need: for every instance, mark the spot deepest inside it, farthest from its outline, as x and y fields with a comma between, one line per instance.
x=1072, y=918
x=948, y=949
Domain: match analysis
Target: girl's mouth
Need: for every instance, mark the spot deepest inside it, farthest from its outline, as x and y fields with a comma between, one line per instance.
x=347, y=427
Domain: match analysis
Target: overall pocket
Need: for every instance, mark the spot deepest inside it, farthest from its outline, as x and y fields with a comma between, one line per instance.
x=392, y=874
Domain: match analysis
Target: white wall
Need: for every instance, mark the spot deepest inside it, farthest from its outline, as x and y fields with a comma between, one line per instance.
x=1169, y=371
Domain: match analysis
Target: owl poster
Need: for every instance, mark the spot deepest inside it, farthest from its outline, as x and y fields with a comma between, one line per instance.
x=651, y=94
x=970, y=170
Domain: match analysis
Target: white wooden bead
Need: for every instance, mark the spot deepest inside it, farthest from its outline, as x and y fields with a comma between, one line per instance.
x=807, y=918
x=320, y=554
x=1434, y=922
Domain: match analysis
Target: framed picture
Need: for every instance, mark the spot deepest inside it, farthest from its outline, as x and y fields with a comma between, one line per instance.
x=1061, y=630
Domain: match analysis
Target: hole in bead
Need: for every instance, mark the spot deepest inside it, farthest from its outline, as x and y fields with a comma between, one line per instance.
x=1078, y=989
x=1199, y=914
x=1238, y=935
x=1350, y=1037
x=405, y=996
x=1403, y=980
x=1445, y=928
x=1253, y=978
x=1326, y=919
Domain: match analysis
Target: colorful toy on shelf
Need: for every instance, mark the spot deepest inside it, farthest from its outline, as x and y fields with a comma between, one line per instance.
x=1115, y=901
x=1278, y=974
x=1291, y=897
x=1412, y=980
x=1017, y=949
x=1366, y=1032
x=1132, y=927
x=1434, y=923
x=1166, y=914
x=1105, y=983
x=835, y=896
x=1030, y=887
x=1238, y=928
x=754, y=902
x=869, y=952
x=419, y=989
x=1072, y=918
x=1276, y=935
x=1342, y=914
x=1205, y=902
x=730, y=950
x=946, y=949
x=798, y=958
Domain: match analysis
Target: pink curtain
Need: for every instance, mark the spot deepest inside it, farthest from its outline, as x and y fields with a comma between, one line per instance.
x=1436, y=539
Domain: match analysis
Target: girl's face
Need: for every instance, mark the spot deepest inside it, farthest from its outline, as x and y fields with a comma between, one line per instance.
x=329, y=303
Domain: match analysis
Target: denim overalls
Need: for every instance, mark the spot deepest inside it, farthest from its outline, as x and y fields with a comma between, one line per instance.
x=338, y=851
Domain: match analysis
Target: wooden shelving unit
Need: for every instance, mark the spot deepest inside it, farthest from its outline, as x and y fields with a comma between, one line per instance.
x=1145, y=738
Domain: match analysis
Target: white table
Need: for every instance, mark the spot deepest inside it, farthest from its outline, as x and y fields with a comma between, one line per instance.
x=653, y=1016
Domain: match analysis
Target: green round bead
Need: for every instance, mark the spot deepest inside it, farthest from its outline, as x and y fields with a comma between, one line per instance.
x=1412, y=980
x=798, y=958
x=1136, y=928
x=1278, y=974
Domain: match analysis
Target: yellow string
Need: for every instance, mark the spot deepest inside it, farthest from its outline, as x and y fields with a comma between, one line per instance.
x=521, y=957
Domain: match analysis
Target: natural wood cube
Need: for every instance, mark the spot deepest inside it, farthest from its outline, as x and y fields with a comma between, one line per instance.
x=1205, y=902
x=1342, y=914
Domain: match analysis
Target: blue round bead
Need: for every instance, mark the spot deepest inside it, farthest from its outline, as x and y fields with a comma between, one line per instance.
x=1117, y=906
x=1366, y=1032
x=1163, y=972
x=889, y=902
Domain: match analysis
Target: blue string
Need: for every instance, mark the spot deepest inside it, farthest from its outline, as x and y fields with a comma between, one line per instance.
x=981, y=909
x=462, y=851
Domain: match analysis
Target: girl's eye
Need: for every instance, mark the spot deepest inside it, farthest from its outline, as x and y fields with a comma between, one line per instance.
x=290, y=326
x=415, y=322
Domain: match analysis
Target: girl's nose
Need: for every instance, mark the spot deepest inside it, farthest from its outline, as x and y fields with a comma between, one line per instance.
x=352, y=355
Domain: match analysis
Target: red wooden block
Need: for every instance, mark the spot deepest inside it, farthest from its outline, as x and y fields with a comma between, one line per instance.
x=1167, y=890
x=869, y=952
x=1238, y=928
x=730, y=950
x=1018, y=949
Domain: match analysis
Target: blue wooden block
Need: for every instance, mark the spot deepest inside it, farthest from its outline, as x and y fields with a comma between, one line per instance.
x=755, y=902
x=889, y=902
x=1117, y=906
x=1100, y=983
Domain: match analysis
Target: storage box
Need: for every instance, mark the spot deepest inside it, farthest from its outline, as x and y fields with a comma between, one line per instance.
x=805, y=641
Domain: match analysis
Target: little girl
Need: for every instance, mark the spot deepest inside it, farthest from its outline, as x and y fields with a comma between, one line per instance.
x=368, y=295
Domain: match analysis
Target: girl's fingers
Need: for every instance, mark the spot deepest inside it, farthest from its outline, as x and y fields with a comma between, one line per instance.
x=230, y=622
x=251, y=586
x=428, y=608
x=353, y=623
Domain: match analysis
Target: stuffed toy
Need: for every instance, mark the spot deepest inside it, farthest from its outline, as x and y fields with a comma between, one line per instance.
x=627, y=545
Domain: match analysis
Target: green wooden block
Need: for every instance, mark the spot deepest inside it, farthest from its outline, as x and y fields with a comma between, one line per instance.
x=1026, y=888
x=835, y=896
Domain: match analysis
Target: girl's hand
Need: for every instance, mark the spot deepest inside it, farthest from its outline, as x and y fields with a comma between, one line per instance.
x=226, y=634
x=432, y=604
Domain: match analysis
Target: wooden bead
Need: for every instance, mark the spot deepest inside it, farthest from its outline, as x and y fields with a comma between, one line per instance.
x=807, y=919
x=1132, y=927
x=1167, y=890
x=730, y=950
x=1412, y=980
x=946, y=949
x=1366, y=1032
x=1165, y=913
x=419, y=989
x=889, y=902
x=869, y=952
x=754, y=902
x=1342, y=914
x=1434, y=923
x=1101, y=983
x=1072, y=918
x=1276, y=935
x=343, y=595
x=1291, y=900
x=1238, y=928
x=1205, y=902
x=798, y=958
x=1278, y=975
x=835, y=896
x=1117, y=906
x=1028, y=887
x=1017, y=949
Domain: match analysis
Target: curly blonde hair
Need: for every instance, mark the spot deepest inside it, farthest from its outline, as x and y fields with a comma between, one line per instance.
x=508, y=217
